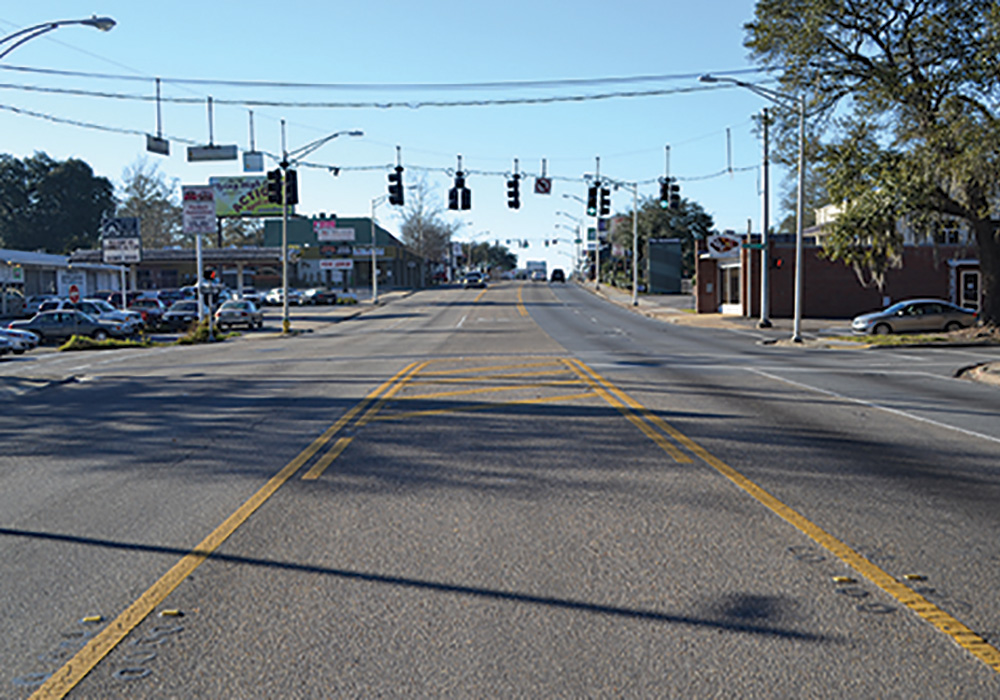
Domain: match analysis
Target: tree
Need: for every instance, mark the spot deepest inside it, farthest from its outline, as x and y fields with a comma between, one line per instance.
x=423, y=230
x=50, y=205
x=907, y=90
x=688, y=223
x=491, y=256
x=238, y=232
x=145, y=193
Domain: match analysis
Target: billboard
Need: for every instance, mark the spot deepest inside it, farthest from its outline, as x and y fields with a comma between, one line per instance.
x=242, y=195
x=199, y=209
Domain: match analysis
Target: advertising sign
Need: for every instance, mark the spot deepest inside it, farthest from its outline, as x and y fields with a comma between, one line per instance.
x=326, y=230
x=199, y=209
x=723, y=245
x=71, y=282
x=120, y=240
x=242, y=195
x=340, y=264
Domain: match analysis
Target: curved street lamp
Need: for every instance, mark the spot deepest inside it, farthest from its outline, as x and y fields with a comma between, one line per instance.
x=103, y=23
x=782, y=99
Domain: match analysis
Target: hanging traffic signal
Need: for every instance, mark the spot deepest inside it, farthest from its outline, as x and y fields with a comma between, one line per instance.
x=605, y=201
x=513, y=192
x=291, y=187
x=396, y=186
x=592, y=201
x=460, y=196
x=274, y=186
x=664, y=192
x=675, y=196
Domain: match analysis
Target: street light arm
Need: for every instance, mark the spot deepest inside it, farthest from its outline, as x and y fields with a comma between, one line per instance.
x=24, y=35
x=310, y=147
x=767, y=93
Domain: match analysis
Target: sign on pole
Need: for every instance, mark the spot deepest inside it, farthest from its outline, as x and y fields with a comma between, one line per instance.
x=120, y=240
x=199, y=209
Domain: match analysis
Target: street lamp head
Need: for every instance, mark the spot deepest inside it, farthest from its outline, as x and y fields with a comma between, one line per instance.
x=356, y=132
x=708, y=79
x=105, y=24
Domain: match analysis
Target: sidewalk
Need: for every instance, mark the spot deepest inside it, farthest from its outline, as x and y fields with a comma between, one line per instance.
x=679, y=309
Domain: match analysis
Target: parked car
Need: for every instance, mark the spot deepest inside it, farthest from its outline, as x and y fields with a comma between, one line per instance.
x=21, y=341
x=915, y=315
x=239, y=312
x=317, y=295
x=98, y=308
x=152, y=310
x=557, y=276
x=474, y=279
x=250, y=295
x=32, y=303
x=181, y=315
x=5, y=346
x=275, y=296
x=12, y=303
x=58, y=325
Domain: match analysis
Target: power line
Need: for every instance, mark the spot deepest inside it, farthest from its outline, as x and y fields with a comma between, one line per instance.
x=496, y=85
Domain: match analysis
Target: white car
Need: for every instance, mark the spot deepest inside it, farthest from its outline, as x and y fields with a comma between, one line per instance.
x=21, y=341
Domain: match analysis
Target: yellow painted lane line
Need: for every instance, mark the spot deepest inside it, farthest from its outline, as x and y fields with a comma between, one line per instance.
x=629, y=414
x=555, y=362
x=479, y=296
x=397, y=387
x=905, y=596
x=520, y=302
x=483, y=406
x=327, y=459
x=73, y=671
x=492, y=389
x=487, y=377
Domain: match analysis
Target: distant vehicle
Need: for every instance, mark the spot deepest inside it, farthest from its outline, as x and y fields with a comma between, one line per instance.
x=250, y=295
x=915, y=315
x=275, y=296
x=58, y=325
x=6, y=346
x=474, y=279
x=14, y=303
x=557, y=276
x=99, y=309
x=537, y=270
x=538, y=276
x=181, y=314
x=237, y=312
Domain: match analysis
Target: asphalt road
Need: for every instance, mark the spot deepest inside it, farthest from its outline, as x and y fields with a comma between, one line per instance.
x=518, y=492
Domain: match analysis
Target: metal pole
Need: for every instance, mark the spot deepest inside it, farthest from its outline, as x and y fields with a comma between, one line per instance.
x=797, y=323
x=200, y=274
x=597, y=228
x=765, y=261
x=286, y=325
x=635, y=244
x=374, y=261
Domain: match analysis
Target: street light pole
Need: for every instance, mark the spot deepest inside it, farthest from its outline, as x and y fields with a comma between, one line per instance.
x=783, y=99
x=375, y=202
x=288, y=159
x=102, y=23
x=765, y=254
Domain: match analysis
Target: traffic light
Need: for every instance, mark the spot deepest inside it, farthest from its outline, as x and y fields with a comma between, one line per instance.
x=670, y=193
x=513, y=192
x=274, y=186
x=605, y=201
x=396, y=186
x=459, y=196
x=291, y=187
x=664, y=192
x=675, y=196
x=592, y=201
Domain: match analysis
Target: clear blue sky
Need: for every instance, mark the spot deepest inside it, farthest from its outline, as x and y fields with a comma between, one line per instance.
x=408, y=43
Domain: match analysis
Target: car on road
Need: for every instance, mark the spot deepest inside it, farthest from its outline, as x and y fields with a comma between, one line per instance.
x=318, y=295
x=557, y=276
x=59, y=325
x=250, y=295
x=276, y=295
x=914, y=316
x=21, y=341
x=474, y=279
x=538, y=276
x=181, y=315
x=239, y=312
